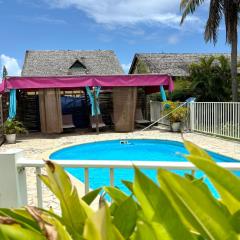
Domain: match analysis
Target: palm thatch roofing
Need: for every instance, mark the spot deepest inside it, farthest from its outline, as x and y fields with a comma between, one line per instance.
x=176, y=65
x=66, y=62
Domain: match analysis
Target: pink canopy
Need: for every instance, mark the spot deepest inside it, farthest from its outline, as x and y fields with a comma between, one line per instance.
x=70, y=82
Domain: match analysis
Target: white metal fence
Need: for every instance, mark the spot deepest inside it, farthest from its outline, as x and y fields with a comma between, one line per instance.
x=13, y=187
x=217, y=118
x=157, y=111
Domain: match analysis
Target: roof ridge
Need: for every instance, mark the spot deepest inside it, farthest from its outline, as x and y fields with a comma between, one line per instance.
x=57, y=62
x=216, y=53
x=64, y=50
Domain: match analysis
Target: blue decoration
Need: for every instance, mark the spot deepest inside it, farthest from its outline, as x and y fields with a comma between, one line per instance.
x=190, y=100
x=164, y=97
x=163, y=94
x=91, y=96
x=12, y=104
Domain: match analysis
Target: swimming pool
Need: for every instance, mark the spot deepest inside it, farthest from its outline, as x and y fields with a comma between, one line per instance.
x=130, y=150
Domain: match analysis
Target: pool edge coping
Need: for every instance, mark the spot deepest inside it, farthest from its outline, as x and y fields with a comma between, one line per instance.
x=46, y=154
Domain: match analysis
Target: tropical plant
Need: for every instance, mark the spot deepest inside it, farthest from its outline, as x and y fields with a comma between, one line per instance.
x=178, y=207
x=211, y=79
x=12, y=126
x=4, y=72
x=176, y=113
x=218, y=9
x=182, y=89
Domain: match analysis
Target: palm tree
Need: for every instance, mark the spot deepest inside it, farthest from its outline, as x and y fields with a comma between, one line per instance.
x=4, y=72
x=218, y=9
x=211, y=81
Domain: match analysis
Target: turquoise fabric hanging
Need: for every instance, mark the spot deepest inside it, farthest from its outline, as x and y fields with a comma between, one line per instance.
x=91, y=97
x=163, y=94
x=164, y=97
x=12, y=104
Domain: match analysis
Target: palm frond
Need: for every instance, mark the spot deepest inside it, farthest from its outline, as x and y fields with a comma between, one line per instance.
x=189, y=6
x=209, y=61
x=214, y=19
x=206, y=62
x=224, y=63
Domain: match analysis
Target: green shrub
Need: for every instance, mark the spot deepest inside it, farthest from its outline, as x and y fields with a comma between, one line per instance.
x=175, y=208
x=182, y=90
x=12, y=126
x=211, y=79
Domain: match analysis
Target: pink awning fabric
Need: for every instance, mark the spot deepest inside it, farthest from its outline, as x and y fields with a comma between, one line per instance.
x=70, y=82
x=3, y=86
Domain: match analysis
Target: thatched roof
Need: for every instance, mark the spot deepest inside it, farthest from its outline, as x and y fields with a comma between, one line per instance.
x=61, y=63
x=172, y=64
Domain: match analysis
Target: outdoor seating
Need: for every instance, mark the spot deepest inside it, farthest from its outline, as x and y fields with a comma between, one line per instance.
x=139, y=118
x=67, y=121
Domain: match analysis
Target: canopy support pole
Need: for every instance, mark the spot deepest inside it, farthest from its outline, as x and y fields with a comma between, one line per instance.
x=95, y=110
x=94, y=104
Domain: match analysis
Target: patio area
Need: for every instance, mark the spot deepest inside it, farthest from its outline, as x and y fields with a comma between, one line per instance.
x=38, y=146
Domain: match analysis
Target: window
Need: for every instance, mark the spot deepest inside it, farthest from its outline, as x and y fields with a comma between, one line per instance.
x=77, y=68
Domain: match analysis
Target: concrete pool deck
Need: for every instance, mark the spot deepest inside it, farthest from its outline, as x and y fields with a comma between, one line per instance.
x=37, y=146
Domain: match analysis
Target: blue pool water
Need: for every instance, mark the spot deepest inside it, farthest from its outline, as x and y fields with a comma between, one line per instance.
x=134, y=150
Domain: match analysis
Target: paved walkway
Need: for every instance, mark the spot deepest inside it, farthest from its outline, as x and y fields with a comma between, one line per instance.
x=36, y=146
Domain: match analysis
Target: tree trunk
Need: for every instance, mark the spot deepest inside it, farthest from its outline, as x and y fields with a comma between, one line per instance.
x=234, y=67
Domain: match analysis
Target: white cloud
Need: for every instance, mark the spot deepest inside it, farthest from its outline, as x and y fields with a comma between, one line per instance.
x=173, y=39
x=125, y=12
x=126, y=67
x=11, y=64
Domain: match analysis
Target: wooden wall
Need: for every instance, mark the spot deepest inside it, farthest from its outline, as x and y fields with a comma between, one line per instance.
x=28, y=110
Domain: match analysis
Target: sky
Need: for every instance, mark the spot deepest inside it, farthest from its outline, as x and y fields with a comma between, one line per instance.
x=125, y=26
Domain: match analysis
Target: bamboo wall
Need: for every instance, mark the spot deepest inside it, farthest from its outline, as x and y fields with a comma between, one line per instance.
x=28, y=107
x=28, y=110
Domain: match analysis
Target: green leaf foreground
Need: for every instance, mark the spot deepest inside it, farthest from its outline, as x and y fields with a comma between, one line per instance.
x=174, y=208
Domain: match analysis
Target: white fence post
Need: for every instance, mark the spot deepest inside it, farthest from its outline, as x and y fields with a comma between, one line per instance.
x=13, y=188
x=155, y=110
x=192, y=116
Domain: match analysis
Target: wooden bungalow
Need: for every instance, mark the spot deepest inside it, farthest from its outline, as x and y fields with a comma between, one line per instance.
x=63, y=63
x=174, y=64
x=50, y=76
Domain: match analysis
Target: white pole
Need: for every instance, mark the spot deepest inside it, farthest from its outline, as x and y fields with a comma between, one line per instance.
x=192, y=116
x=13, y=188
